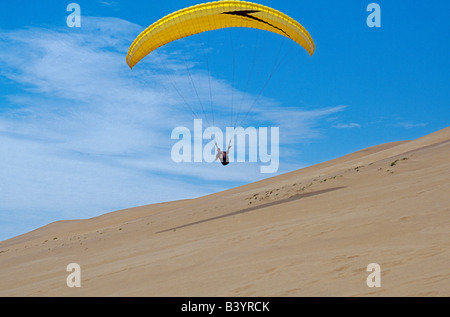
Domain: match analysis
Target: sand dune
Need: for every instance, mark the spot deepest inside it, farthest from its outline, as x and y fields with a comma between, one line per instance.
x=311, y=232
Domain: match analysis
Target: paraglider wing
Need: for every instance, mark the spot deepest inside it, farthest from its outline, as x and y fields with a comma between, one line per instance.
x=212, y=16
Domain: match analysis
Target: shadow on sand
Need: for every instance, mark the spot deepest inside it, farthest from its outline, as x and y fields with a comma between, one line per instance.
x=269, y=204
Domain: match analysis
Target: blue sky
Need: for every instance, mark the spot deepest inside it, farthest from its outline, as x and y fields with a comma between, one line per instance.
x=81, y=134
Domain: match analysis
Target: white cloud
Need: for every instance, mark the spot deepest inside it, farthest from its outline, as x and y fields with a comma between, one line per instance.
x=79, y=138
x=298, y=125
x=347, y=125
x=109, y=3
x=410, y=125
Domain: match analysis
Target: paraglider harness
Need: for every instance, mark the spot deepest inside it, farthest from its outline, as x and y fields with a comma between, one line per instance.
x=224, y=159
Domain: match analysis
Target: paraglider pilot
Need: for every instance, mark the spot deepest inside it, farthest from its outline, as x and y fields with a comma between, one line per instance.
x=223, y=156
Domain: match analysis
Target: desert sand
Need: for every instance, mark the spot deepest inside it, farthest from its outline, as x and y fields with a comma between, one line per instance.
x=311, y=232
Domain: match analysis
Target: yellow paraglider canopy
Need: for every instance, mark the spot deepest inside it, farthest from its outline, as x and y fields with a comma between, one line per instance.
x=213, y=16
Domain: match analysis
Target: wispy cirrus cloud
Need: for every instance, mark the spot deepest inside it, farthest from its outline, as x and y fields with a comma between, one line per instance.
x=410, y=125
x=299, y=124
x=347, y=125
x=78, y=124
x=109, y=3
